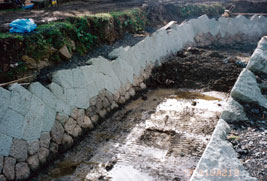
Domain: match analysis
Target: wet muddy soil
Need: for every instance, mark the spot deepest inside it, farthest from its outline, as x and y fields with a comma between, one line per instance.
x=161, y=138
x=249, y=138
x=199, y=68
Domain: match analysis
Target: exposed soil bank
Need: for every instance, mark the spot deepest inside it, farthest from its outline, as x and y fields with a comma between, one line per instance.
x=198, y=68
x=162, y=134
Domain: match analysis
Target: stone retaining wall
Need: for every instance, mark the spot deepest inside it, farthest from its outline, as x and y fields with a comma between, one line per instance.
x=38, y=121
x=219, y=161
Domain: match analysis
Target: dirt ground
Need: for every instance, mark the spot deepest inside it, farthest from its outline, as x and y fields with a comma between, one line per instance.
x=68, y=9
x=87, y=7
x=200, y=68
x=149, y=139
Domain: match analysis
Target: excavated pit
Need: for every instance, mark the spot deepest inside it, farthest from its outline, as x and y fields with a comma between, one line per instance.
x=162, y=133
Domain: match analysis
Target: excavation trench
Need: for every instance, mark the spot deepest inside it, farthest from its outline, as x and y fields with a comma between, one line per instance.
x=162, y=133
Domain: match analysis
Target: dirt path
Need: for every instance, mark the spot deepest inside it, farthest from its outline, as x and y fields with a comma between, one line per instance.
x=69, y=9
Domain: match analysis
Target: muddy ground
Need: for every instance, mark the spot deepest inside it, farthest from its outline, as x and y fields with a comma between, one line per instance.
x=200, y=68
x=162, y=134
x=160, y=138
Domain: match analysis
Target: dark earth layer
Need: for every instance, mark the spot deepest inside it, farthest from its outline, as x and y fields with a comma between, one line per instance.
x=198, y=68
x=249, y=138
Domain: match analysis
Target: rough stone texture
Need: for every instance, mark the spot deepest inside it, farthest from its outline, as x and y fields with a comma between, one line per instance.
x=20, y=99
x=233, y=112
x=258, y=60
x=44, y=94
x=57, y=132
x=19, y=149
x=74, y=113
x=67, y=141
x=132, y=92
x=102, y=113
x=95, y=119
x=34, y=119
x=45, y=139
x=127, y=95
x=246, y=89
x=43, y=154
x=12, y=124
x=220, y=160
x=2, y=178
x=104, y=76
x=33, y=147
x=61, y=104
x=22, y=171
x=105, y=102
x=5, y=144
x=4, y=98
x=114, y=105
x=91, y=111
x=122, y=100
x=53, y=147
x=88, y=72
x=87, y=123
x=62, y=118
x=9, y=168
x=1, y=163
x=33, y=162
x=48, y=118
x=143, y=86
x=64, y=52
x=99, y=104
x=116, y=53
x=80, y=118
x=72, y=128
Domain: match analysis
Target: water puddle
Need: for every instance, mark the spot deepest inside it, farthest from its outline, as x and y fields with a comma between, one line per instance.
x=160, y=136
x=193, y=95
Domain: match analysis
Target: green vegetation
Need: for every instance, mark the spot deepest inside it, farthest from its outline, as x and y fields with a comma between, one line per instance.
x=10, y=35
x=194, y=10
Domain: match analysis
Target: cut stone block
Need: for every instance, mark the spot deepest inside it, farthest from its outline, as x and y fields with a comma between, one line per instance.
x=116, y=53
x=20, y=99
x=5, y=144
x=89, y=74
x=49, y=117
x=61, y=105
x=34, y=120
x=19, y=150
x=123, y=71
x=220, y=158
x=12, y=124
x=104, y=72
x=246, y=89
x=4, y=101
x=258, y=60
x=233, y=112
x=9, y=168
x=43, y=93
x=63, y=78
x=78, y=97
